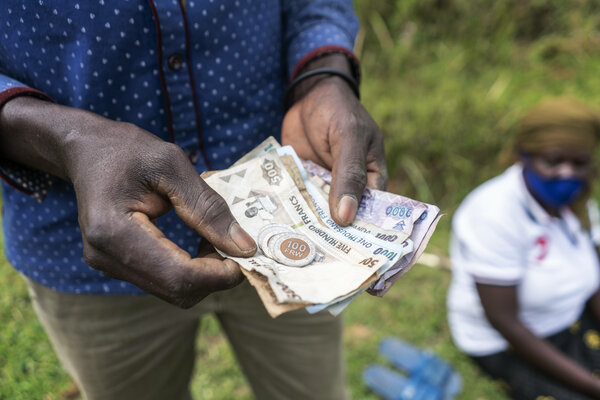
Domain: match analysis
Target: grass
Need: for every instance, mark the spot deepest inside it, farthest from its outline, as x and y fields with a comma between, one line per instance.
x=28, y=367
x=414, y=309
x=447, y=80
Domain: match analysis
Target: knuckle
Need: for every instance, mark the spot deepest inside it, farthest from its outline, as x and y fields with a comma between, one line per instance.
x=102, y=234
x=173, y=151
x=98, y=233
x=128, y=126
x=91, y=257
x=352, y=119
x=210, y=208
x=354, y=174
x=171, y=158
x=186, y=303
x=165, y=159
x=182, y=292
x=97, y=260
x=356, y=124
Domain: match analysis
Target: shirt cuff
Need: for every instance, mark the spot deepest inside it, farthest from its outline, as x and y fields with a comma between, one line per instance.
x=26, y=180
x=16, y=91
x=491, y=274
x=485, y=280
x=325, y=32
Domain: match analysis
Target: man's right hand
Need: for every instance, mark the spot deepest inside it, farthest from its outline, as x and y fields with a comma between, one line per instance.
x=125, y=177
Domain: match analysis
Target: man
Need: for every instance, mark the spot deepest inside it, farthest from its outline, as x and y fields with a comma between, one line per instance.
x=109, y=113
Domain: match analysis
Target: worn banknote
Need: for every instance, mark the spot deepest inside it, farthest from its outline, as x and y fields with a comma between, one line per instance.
x=372, y=239
x=283, y=202
x=260, y=192
x=396, y=215
x=267, y=145
x=388, y=211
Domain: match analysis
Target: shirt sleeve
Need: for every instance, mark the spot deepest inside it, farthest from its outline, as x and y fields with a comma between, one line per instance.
x=315, y=28
x=29, y=181
x=594, y=215
x=486, y=245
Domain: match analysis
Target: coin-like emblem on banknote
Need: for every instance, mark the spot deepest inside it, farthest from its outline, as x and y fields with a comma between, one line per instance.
x=266, y=233
x=292, y=249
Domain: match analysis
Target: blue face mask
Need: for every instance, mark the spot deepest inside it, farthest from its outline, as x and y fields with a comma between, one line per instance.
x=554, y=193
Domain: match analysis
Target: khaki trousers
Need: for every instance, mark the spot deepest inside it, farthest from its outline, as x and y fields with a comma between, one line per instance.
x=139, y=347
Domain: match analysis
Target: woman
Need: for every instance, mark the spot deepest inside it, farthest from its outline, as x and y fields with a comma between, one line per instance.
x=524, y=301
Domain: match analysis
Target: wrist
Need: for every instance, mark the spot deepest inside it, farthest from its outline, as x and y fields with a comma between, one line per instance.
x=37, y=133
x=334, y=61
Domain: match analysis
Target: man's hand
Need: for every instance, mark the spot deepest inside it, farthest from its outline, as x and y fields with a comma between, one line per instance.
x=124, y=178
x=329, y=126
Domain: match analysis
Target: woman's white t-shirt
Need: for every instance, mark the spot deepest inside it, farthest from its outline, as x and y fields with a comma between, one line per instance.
x=502, y=236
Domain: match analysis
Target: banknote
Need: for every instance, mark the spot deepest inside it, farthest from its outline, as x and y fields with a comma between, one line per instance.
x=267, y=145
x=317, y=187
x=419, y=226
x=362, y=229
x=267, y=296
x=389, y=235
x=401, y=259
x=397, y=252
x=386, y=280
x=422, y=231
x=372, y=240
x=271, y=190
x=261, y=192
x=395, y=244
x=387, y=211
x=291, y=165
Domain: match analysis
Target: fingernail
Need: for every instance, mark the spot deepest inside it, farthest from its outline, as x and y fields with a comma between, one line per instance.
x=241, y=238
x=347, y=208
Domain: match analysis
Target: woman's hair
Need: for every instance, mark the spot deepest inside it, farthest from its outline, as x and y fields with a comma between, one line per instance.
x=557, y=122
x=554, y=122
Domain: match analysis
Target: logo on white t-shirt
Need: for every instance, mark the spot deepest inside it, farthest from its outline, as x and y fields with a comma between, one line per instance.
x=542, y=245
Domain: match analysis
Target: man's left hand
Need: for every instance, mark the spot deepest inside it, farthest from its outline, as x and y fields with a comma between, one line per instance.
x=329, y=126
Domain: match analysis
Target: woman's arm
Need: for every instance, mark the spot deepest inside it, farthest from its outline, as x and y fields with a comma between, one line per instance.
x=593, y=304
x=501, y=308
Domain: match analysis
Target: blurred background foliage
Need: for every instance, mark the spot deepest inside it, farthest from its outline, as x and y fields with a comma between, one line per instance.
x=448, y=80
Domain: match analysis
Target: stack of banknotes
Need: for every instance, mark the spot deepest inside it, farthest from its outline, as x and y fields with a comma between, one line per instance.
x=304, y=258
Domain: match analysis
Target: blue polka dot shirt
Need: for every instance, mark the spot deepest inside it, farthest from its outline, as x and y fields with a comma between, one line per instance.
x=206, y=75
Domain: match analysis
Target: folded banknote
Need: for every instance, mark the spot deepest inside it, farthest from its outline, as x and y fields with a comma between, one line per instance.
x=304, y=258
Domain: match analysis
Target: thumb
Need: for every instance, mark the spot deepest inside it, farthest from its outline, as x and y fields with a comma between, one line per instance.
x=349, y=178
x=205, y=211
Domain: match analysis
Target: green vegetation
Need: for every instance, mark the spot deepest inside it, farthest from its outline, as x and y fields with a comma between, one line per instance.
x=447, y=80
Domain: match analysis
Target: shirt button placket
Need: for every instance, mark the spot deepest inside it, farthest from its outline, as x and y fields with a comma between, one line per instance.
x=178, y=82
